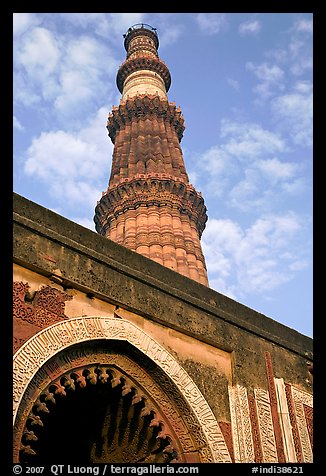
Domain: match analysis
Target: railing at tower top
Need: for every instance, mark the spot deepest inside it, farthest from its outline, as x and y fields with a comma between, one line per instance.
x=139, y=26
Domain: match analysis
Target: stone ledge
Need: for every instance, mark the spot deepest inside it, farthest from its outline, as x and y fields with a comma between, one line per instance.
x=78, y=240
x=148, y=191
x=141, y=106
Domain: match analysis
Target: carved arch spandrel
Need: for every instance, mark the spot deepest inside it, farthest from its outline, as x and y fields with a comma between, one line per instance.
x=40, y=348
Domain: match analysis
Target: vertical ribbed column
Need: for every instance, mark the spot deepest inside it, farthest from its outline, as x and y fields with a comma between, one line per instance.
x=199, y=254
x=169, y=251
x=175, y=153
x=190, y=249
x=127, y=159
x=155, y=246
x=130, y=230
x=142, y=231
x=112, y=230
x=181, y=255
x=165, y=146
x=120, y=229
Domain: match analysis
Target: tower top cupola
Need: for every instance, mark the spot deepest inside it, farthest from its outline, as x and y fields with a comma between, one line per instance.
x=141, y=30
x=143, y=71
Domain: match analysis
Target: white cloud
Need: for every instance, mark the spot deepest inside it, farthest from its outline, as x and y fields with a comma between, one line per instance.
x=84, y=52
x=277, y=170
x=223, y=234
x=72, y=165
x=193, y=177
x=70, y=73
x=36, y=59
x=300, y=49
x=215, y=160
x=303, y=25
x=215, y=169
x=250, y=27
x=212, y=23
x=273, y=230
x=270, y=76
x=104, y=24
x=86, y=222
x=84, y=20
x=291, y=103
x=264, y=183
x=299, y=265
x=76, y=91
x=249, y=140
x=23, y=21
x=293, y=112
x=84, y=72
x=170, y=34
x=303, y=63
x=303, y=87
x=120, y=22
x=75, y=191
x=296, y=56
x=17, y=125
x=58, y=153
x=279, y=55
x=24, y=93
x=233, y=83
x=247, y=194
x=38, y=53
x=266, y=72
x=295, y=186
x=220, y=285
x=254, y=260
x=247, y=168
x=218, y=243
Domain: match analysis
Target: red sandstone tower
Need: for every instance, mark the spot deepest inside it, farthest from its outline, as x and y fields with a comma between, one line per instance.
x=150, y=206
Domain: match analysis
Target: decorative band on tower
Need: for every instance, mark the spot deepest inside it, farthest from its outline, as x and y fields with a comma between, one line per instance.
x=150, y=206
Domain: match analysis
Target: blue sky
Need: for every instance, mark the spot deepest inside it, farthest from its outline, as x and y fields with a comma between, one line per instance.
x=244, y=84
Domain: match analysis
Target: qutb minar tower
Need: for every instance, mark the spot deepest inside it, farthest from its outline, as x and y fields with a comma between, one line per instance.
x=136, y=364
x=150, y=206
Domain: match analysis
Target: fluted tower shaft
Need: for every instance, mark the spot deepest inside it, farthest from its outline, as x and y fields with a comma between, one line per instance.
x=150, y=206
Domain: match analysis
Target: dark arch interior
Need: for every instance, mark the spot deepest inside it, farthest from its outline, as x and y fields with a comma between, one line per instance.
x=95, y=424
x=103, y=420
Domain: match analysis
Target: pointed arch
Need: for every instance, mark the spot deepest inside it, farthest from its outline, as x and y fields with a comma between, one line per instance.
x=44, y=345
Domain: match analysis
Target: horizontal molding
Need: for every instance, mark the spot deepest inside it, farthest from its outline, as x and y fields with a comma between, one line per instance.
x=183, y=288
